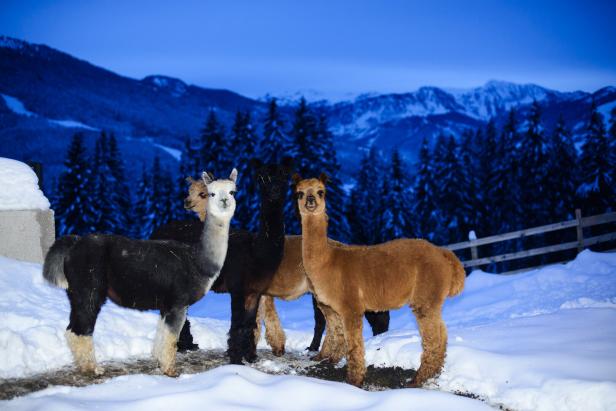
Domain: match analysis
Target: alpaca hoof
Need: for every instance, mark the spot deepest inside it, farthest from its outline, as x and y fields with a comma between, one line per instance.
x=188, y=347
x=171, y=373
x=278, y=352
x=236, y=361
x=99, y=371
x=251, y=358
x=311, y=348
x=356, y=381
x=317, y=357
x=414, y=383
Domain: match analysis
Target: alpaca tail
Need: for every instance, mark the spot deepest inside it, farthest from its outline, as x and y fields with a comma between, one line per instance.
x=459, y=275
x=53, y=269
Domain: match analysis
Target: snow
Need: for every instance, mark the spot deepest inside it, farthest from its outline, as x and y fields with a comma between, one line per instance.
x=541, y=340
x=19, y=188
x=17, y=107
x=73, y=124
x=173, y=152
x=606, y=111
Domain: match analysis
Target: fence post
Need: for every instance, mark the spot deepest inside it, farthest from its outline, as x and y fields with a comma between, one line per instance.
x=472, y=237
x=580, y=230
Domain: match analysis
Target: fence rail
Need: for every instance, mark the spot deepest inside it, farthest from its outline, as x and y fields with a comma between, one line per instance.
x=579, y=223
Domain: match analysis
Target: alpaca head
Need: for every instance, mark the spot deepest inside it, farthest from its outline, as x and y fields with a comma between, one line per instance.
x=221, y=201
x=310, y=194
x=196, y=201
x=273, y=179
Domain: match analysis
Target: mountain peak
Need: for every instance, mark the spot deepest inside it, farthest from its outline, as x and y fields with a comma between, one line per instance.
x=173, y=85
x=12, y=43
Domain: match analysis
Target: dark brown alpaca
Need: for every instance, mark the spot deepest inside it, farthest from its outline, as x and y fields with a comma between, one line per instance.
x=289, y=283
x=348, y=280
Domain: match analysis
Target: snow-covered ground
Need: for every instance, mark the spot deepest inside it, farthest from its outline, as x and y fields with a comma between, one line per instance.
x=19, y=188
x=541, y=340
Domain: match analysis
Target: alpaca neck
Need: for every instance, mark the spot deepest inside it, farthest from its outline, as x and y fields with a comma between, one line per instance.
x=214, y=242
x=271, y=224
x=314, y=238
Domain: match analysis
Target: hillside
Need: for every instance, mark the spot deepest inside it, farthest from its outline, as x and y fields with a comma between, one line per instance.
x=47, y=95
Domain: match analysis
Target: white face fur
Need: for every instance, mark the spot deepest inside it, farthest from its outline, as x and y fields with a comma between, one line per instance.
x=221, y=202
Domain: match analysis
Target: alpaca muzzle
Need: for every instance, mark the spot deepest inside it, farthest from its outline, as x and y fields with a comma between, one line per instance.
x=311, y=203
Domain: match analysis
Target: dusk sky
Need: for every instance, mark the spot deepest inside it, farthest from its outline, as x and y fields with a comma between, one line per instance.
x=333, y=47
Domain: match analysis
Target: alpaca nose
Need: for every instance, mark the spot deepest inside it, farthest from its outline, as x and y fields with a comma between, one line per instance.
x=187, y=204
x=224, y=202
x=311, y=200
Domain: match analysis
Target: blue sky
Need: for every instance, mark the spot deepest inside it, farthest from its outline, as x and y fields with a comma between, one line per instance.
x=333, y=47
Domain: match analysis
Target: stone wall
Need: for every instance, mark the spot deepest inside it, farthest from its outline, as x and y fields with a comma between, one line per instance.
x=26, y=234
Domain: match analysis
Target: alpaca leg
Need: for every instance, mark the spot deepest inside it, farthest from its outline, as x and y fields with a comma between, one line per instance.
x=319, y=326
x=166, y=339
x=434, y=344
x=274, y=334
x=379, y=321
x=249, y=346
x=86, y=301
x=356, y=363
x=334, y=346
x=186, y=342
x=260, y=319
x=234, y=342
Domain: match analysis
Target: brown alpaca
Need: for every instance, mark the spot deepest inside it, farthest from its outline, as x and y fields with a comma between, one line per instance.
x=349, y=280
x=289, y=283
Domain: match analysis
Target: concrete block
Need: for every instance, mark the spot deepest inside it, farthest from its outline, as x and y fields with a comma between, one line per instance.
x=26, y=235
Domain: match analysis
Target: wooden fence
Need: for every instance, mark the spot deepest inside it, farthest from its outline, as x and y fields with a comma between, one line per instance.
x=579, y=223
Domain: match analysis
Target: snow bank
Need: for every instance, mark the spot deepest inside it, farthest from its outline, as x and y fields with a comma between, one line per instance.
x=234, y=388
x=542, y=340
x=19, y=188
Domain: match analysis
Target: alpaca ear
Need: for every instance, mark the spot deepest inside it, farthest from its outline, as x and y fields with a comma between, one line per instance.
x=287, y=163
x=190, y=180
x=255, y=163
x=296, y=178
x=324, y=178
x=207, y=177
x=233, y=175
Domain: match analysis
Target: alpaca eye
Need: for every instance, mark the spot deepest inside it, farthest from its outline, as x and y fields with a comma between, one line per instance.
x=212, y=194
x=299, y=195
x=202, y=195
x=321, y=193
x=232, y=192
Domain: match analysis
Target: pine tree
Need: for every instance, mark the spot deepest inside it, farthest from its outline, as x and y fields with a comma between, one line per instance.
x=71, y=206
x=508, y=177
x=364, y=209
x=121, y=199
x=275, y=143
x=488, y=151
x=425, y=190
x=102, y=188
x=562, y=173
x=214, y=150
x=533, y=173
x=145, y=212
x=396, y=196
x=469, y=166
x=243, y=140
x=596, y=191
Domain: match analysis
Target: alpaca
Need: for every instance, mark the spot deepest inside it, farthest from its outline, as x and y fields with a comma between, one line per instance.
x=141, y=274
x=189, y=231
x=348, y=280
x=289, y=283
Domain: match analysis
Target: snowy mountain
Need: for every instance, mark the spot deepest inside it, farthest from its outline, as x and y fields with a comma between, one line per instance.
x=47, y=95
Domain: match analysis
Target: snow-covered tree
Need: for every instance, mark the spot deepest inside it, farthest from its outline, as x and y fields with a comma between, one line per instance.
x=275, y=143
x=71, y=204
x=424, y=194
x=214, y=154
x=562, y=173
x=396, y=201
x=596, y=191
x=364, y=207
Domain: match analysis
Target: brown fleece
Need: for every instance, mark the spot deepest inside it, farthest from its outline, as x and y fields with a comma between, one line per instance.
x=353, y=279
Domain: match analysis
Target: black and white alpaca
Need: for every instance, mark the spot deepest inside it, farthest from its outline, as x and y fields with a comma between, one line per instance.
x=141, y=274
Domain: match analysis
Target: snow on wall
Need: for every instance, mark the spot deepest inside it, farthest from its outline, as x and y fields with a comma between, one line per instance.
x=19, y=188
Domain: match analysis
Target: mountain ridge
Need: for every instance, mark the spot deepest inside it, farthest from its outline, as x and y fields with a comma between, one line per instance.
x=68, y=94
